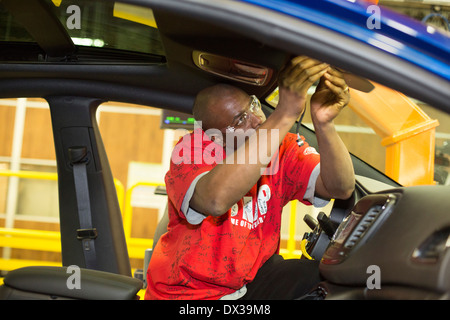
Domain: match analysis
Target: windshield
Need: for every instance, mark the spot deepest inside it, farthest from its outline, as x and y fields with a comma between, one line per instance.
x=406, y=139
x=92, y=24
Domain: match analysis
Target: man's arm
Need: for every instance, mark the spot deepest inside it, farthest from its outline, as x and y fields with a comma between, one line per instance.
x=337, y=178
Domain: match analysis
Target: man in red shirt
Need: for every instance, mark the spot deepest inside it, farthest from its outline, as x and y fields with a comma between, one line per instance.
x=225, y=203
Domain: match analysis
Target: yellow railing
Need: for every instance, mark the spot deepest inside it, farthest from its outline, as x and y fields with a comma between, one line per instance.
x=54, y=176
x=128, y=209
x=48, y=241
x=290, y=251
x=51, y=241
x=30, y=240
x=136, y=246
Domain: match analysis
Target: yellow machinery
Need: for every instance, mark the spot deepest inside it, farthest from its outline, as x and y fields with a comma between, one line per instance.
x=407, y=132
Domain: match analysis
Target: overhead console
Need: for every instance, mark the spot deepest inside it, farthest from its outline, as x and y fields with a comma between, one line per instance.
x=401, y=233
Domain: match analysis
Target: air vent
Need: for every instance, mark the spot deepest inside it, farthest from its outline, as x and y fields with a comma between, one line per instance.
x=365, y=223
x=359, y=226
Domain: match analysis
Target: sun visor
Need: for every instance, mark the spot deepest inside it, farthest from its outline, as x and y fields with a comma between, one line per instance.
x=357, y=82
x=234, y=69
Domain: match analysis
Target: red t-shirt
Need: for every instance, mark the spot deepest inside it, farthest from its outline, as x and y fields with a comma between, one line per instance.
x=221, y=254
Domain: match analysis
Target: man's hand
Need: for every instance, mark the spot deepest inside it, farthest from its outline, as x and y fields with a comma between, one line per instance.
x=331, y=96
x=336, y=178
x=295, y=80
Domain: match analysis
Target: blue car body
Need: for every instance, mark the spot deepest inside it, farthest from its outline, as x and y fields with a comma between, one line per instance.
x=378, y=26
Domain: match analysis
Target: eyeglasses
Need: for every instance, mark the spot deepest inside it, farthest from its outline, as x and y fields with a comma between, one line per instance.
x=254, y=107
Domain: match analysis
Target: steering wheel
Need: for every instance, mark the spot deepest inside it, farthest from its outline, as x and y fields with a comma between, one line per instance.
x=315, y=243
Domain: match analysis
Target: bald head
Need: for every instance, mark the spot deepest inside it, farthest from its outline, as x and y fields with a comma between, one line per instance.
x=213, y=103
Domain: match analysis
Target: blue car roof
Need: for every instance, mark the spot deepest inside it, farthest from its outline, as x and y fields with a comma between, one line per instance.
x=375, y=25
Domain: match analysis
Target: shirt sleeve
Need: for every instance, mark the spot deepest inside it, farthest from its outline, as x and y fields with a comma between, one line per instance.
x=188, y=164
x=311, y=190
x=192, y=216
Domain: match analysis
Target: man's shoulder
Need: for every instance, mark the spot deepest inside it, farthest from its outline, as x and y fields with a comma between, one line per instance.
x=289, y=142
x=290, y=137
x=297, y=146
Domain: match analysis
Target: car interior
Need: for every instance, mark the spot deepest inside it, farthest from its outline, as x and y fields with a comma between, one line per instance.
x=197, y=45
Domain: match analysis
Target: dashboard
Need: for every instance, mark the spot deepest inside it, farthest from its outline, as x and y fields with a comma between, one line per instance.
x=404, y=233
